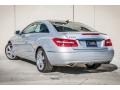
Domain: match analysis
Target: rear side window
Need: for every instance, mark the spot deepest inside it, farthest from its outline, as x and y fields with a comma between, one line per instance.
x=42, y=28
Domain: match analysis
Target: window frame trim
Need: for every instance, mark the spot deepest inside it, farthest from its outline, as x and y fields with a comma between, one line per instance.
x=37, y=23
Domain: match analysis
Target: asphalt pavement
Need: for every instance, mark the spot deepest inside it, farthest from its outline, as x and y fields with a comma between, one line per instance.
x=24, y=72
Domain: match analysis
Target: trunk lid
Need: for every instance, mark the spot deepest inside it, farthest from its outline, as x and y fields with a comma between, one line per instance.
x=87, y=40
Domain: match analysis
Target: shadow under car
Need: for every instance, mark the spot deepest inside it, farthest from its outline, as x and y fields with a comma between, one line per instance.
x=81, y=69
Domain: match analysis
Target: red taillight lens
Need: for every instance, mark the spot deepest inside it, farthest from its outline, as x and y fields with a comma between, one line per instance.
x=65, y=42
x=108, y=42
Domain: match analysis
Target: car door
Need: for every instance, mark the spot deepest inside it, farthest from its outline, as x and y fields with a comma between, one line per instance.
x=24, y=43
x=28, y=38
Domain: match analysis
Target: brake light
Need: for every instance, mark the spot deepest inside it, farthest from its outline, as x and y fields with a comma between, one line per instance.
x=90, y=34
x=65, y=42
x=108, y=42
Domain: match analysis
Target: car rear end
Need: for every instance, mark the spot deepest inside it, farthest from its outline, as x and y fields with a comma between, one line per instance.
x=72, y=48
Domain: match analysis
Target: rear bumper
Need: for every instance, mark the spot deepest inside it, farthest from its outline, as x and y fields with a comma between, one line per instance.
x=80, y=57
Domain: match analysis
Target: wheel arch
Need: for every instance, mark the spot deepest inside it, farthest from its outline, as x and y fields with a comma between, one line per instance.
x=44, y=51
x=9, y=42
x=37, y=50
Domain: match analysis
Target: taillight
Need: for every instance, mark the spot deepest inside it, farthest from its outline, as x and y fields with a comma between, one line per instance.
x=108, y=42
x=65, y=42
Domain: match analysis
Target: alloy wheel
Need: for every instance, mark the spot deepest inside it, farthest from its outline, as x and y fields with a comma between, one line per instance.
x=9, y=52
x=40, y=59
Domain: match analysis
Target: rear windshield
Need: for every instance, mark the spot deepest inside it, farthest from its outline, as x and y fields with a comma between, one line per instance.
x=70, y=27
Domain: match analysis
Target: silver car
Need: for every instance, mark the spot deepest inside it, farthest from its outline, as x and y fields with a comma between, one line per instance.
x=60, y=43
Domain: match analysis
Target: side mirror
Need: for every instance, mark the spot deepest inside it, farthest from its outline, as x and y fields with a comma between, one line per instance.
x=17, y=32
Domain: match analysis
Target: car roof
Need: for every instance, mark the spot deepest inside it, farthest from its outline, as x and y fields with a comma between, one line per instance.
x=54, y=21
x=63, y=22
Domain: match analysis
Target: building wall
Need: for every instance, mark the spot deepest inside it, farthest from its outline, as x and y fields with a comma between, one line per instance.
x=103, y=18
x=107, y=20
x=84, y=14
x=6, y=25
x=28, y=14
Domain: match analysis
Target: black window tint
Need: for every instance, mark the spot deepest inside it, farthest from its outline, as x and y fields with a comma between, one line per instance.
x=64, y=29
x=71, y=27
x=84, y=29
x=43, y=28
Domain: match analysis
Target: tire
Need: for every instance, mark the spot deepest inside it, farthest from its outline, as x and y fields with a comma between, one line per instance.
x=9, y=52
x=107, y=62
x=42, y=62
x=93, y=66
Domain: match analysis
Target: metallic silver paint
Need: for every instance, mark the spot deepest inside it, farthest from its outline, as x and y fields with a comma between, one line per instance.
x=25, y=46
